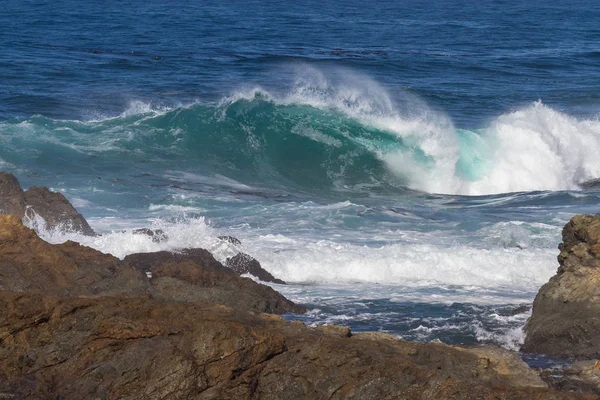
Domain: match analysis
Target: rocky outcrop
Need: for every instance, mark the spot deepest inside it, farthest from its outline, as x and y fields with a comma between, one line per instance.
x=565, y=320
x=52, y=207
x=74, y=348
x=242, y=264
x=580, y=377
x=195, y=276
x=29, y=264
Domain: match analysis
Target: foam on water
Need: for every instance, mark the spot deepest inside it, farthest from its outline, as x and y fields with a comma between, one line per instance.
x=305, y=261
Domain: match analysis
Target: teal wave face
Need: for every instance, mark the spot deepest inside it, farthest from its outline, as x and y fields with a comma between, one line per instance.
x=257, y=142
x=314, y=150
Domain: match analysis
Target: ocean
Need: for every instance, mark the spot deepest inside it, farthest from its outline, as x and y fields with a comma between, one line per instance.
x=407, y=167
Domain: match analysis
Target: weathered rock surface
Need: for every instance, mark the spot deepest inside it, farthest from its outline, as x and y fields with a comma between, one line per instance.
x=195, y=276
x=29, y=264
x=565, y=319
x=242, y=264
x=136, y=348
x=580, y=377
x=53, y=207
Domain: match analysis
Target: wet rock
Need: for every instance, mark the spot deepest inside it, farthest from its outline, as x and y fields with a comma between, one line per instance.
x=74, y=348
x=157, y=235
x=580, y=377
x=195, y=276
x=244, y=264
x=53, y=207
x=230, y=239
x=565, y=318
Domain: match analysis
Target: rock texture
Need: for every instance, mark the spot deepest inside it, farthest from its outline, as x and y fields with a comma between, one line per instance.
x=53, y=207
x=580, y=377
x=565, y=319
x=29, y=264
x=179, y=276
x=137, y=348
x=242, y=264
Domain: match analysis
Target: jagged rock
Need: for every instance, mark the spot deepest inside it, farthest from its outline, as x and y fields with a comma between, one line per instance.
x=195, y=276
x=244, y=264
x=580, y=377
x=12, y=199
x=75, y=348
x=157, y=235
x=53, y=207
x=565, y=319
x=27, y=263
x=230, y=239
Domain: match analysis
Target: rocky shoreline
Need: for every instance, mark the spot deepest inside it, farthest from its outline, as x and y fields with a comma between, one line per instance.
x=77, y=323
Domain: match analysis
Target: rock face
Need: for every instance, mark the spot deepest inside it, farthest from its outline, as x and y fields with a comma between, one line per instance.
x=29, y=264
x=242, y=264
x=195, y=276
x=53, y=207
x=581, y=377
x=565, y=319
x=134, y=348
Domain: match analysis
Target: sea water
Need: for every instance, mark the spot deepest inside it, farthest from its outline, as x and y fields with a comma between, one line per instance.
x=406, y=167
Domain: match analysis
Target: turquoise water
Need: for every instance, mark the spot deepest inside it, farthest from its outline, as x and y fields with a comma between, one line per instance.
x=406, y=167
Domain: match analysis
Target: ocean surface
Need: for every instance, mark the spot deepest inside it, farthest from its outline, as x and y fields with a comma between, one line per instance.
x=407, y=167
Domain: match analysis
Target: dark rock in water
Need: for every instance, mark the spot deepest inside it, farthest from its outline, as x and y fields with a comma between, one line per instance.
x=157, y=235
x=53, y=207
x=149, y=261
x=230, y=239
x=195, y=276
x=79, y=348
x=515, y=311
x=591, y=184
x=244, y=264
x=565, y=320
x=581, y=377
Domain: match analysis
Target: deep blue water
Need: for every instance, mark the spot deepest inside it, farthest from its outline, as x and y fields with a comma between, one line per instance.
x=406, y=166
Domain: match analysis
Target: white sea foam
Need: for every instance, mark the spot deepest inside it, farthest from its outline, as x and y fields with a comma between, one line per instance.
x=511, y=271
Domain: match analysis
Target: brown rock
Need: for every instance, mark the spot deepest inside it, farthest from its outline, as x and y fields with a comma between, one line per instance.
x=12, y=199
x=244, y=264
x=53, y=207
x=580, y=377
x=27, y=263
x=195, y=276
x=565, y=319
x=75, y=348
